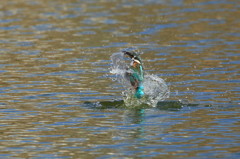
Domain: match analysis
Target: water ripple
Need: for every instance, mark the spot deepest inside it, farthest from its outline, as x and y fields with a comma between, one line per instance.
x=58, y=99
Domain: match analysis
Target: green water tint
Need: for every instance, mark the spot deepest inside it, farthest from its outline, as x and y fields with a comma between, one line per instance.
x=151, y=88
x=161, y=105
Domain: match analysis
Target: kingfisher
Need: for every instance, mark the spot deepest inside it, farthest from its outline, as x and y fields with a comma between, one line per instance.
x=135, y=73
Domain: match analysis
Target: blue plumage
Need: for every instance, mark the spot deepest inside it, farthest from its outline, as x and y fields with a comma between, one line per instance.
x=135, y=73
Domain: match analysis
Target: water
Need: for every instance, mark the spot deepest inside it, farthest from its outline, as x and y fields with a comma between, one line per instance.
x=155, y=88
x=58, y=100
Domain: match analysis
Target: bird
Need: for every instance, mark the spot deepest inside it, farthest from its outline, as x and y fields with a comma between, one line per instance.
x=135, y=73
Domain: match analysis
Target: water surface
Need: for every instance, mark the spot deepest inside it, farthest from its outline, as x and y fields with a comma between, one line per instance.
x=58, y=99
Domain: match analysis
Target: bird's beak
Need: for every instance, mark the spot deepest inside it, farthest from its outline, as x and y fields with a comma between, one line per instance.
x=128, y=54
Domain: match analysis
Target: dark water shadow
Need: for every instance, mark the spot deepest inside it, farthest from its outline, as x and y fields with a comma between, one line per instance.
x=162, y=105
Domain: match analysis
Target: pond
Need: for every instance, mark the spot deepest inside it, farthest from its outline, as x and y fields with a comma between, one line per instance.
x=58, y=98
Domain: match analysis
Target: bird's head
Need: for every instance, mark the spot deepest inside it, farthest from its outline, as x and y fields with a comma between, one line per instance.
x=136, y=60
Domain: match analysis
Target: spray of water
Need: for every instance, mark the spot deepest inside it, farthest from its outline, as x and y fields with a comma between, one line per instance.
x=155, y=88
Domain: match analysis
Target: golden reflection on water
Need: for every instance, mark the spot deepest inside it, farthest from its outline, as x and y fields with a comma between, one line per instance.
x=55, y=55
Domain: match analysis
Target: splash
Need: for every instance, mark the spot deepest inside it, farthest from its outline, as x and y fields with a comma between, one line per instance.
x=155, y=88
